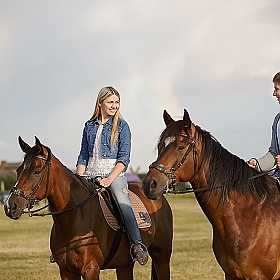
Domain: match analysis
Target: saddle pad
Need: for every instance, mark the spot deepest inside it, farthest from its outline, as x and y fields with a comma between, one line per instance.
x=141, y=214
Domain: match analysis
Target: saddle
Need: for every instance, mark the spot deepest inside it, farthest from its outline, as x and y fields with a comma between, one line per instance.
x=110, y=207
x=112, y=214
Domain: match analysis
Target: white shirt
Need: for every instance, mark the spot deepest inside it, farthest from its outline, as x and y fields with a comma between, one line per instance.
x=98, y=166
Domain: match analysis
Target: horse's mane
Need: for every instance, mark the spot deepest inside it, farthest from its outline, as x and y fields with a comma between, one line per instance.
x=224, y=169
x=230, y=171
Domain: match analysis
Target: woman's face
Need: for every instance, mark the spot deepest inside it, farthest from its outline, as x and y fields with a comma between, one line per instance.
x=110, y=106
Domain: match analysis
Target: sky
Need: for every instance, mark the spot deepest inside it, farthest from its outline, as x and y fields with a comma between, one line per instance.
x=214, y=58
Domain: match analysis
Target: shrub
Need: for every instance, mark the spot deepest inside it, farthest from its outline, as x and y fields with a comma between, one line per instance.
x=9, y=182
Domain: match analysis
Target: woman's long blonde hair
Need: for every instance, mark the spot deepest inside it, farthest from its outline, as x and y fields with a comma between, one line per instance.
x=103, y=94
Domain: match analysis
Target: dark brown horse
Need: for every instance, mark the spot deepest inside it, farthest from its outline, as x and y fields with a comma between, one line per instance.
x=80, y=238
x=242, y=206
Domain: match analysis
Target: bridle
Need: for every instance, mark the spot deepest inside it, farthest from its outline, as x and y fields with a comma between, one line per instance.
x=46, y=169
x=31, y=199
x=171, y=174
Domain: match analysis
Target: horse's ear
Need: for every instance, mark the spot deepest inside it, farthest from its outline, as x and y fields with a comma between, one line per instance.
x=187, y=119
x=39, y=146
x=24, y=146
x=167, y=118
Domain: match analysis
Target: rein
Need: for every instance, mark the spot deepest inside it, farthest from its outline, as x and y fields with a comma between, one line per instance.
x=263, y=172
x=34, y=214
x=169, y=191
x=92, y=186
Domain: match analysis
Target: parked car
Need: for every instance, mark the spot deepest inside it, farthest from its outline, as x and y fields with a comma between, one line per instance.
x=3, y=197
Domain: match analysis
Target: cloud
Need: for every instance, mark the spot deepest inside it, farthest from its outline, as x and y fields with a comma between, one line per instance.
x=3, y=145
x=215, y=59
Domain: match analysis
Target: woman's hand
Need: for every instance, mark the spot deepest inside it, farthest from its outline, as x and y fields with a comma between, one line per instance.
x=80, y=169
x=105, y=182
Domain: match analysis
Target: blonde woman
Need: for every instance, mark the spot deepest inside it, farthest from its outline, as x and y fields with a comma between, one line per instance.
x=105, y=153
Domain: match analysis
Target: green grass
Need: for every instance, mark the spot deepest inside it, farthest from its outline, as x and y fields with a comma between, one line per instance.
x=24, y=247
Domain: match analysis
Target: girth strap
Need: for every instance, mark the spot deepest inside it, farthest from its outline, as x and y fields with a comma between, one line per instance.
x=114, y=207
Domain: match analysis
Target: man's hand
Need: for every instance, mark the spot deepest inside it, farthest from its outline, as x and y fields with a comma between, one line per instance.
x=253, y=163
x=278, y=160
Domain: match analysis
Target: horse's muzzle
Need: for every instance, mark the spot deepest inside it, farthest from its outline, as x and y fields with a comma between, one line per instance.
x=151, y=190
x=13, y=208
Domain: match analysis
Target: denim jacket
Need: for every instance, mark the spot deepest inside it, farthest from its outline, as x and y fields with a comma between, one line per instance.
x=120, y=151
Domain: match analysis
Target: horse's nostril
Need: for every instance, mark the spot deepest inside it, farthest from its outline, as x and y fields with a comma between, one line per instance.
x=153, y=184
x=13, y=208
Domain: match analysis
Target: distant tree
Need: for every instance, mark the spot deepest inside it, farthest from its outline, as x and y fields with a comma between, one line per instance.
x=9, y=182
x=141, y=175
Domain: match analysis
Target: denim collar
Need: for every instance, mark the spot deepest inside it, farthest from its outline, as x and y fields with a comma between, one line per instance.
x=110, y=121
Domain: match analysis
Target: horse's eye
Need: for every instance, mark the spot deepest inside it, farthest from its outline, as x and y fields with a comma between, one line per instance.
x=180, y=148
x=36, y=172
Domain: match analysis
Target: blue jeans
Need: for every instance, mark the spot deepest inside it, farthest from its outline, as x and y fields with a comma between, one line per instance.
x=119, y=187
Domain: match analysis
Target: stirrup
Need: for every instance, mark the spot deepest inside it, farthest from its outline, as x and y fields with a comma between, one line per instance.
x=141, y=254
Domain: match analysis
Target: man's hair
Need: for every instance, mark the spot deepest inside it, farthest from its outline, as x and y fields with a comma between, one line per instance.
x=276, y=78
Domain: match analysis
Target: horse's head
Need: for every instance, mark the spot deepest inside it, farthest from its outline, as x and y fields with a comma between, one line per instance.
x=32, y=179
x=176, y=147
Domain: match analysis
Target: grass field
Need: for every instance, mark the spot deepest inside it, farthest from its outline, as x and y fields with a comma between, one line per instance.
x=24, y=247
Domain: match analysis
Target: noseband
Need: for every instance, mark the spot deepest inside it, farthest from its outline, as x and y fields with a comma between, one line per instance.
x=30, y=198
x=171, y=174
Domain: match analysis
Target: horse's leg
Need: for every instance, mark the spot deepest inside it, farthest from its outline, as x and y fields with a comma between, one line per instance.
x=160, y=265
x=161, y=248
x=65, y=275
x=154, y=273
x=125, y=273
x=89, y=273
x=229, y=277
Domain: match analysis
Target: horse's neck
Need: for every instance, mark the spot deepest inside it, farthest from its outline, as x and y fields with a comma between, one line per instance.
x=212, y=203
x=206, y=198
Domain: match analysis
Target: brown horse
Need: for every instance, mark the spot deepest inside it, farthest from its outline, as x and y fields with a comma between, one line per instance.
x=80, y=238
x=242, y=205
